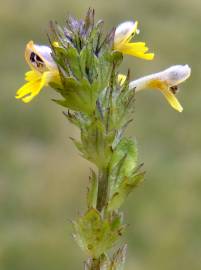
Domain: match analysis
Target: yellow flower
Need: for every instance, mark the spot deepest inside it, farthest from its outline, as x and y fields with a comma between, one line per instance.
x=123, y=34
x=166, y=82
x=43, y=71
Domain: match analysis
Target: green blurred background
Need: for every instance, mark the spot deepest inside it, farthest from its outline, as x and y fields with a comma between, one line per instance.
x=43, y=179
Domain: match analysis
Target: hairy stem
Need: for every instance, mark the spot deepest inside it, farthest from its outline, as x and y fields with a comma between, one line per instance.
x=95, y=264
x=101, y=203
x=102, y=189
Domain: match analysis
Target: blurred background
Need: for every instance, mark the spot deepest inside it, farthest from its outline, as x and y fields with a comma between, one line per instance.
x=43, y=180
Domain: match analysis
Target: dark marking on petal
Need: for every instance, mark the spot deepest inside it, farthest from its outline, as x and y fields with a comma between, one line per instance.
x=174, y=89
x=36, y=60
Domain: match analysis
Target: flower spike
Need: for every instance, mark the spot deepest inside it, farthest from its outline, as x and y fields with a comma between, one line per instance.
x=123, y=34
x=83, y=67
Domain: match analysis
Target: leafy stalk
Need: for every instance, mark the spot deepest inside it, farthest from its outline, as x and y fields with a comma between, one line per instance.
x=101, y=107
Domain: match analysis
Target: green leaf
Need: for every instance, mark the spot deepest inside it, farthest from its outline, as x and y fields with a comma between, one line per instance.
x=87, y=65
x=116, y=58
x=122, y=192
x=124, y=159
x=73, y=118
x=79, y=95
x=96, y=235
x=73, y=60
x=79, y=146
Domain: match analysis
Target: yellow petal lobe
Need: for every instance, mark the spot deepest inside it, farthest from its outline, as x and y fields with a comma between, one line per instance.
x=121, y=79
x=171, y=98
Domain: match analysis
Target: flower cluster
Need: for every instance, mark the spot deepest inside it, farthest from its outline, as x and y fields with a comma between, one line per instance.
x=44, y=70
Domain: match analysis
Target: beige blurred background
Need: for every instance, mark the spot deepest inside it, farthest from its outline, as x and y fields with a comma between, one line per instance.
x=43, y=179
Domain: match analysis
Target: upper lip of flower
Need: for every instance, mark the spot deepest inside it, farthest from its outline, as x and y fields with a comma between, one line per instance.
x=39, y=57
x=124, y=32
x=176, y=74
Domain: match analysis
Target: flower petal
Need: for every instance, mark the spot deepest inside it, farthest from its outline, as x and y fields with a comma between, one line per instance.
x=31, y=89
x=121, y=79
x=28, y=91
x=39, y=57
x=32, y=75
x=137, y=49
x=124, y=32
x=171, y=98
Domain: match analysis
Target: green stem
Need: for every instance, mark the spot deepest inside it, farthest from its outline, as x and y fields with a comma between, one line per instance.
x=102, y=189
x=101, y=203
x=95, y=264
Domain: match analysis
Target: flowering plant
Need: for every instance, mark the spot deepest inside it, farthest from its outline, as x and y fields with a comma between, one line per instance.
x=82, y=65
